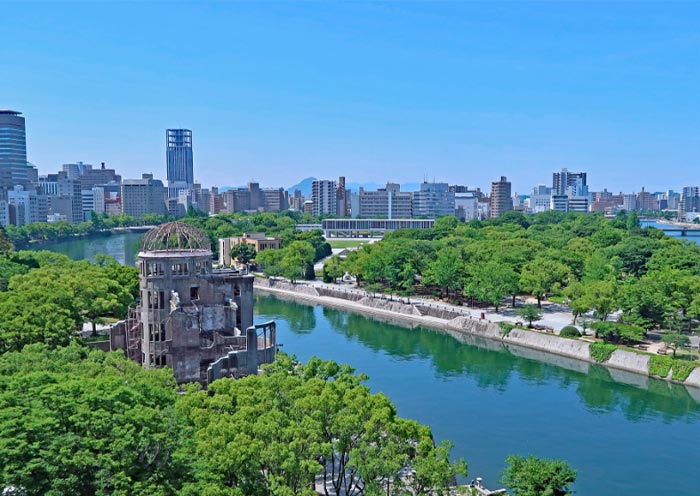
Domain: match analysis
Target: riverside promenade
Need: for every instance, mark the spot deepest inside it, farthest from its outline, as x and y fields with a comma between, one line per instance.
x=467, y=324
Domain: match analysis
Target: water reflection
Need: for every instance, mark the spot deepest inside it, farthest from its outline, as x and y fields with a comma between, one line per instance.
x=490, y=365
x=300, y=318
x=122, y=246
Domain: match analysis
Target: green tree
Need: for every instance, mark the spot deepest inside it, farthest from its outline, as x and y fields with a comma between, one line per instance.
x=297, y=257
x=578, y=300
x=531, y=313
x=533, y=476
x=492, y=282
x=446, y=270
x=243, y=253
x=271, y=262
x=333, y=268
x=274, y=433
x=601, y=296
x=675, y=341
x=80, y=421
x=6, y=245
x=543, y=276
x=50, y=303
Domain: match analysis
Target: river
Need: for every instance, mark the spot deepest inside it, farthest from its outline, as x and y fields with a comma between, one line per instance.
x=122, y=246
x=623, y=440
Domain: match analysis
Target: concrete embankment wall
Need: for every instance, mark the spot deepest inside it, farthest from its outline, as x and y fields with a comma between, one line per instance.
x=562, y=352
x=550, y=343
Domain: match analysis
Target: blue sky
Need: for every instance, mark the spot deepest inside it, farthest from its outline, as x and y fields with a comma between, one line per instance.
x=274, y=92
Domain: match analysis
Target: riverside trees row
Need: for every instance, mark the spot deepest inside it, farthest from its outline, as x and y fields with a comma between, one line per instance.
x=592, y=263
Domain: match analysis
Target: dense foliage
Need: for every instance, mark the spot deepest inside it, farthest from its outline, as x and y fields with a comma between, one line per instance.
x=273, y=434
x=75, y=421
x=533, y=476
x=598, y=265
x=45, y=297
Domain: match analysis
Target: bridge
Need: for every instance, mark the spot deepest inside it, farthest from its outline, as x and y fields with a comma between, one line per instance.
x=685, y=231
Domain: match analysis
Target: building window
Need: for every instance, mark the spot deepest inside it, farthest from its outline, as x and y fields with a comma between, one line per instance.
x=162, y=331
x=179, y=269
x=194, y=293
x=154, y=269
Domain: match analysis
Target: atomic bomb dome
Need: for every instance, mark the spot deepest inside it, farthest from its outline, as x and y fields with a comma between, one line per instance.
x=175, y=236
x=191, y=317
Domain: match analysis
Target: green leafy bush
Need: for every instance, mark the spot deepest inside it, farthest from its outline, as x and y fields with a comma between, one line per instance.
x=682, y=369
x=601, y=352
x=506, y=327
x=660, y=365
x=570, y=332
x=616, y=332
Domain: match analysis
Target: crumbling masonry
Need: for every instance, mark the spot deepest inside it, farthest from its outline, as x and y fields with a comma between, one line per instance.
x=190, y=316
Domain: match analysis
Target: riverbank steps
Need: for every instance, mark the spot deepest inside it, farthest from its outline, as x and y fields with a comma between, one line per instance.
x=517, y=341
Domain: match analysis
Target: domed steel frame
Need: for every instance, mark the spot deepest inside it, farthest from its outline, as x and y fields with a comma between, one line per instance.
x=175, y=236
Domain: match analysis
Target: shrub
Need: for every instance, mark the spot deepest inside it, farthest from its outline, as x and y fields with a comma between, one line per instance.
x=682, y=369
x=570, y=332
x=601, y=352
x=615, y=331
x=506, y=327
x=660, y=365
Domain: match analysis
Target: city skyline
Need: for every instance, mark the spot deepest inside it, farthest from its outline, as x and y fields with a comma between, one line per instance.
x=458, y=92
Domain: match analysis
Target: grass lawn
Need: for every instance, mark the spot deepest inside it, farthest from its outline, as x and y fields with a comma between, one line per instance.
x=345, y=243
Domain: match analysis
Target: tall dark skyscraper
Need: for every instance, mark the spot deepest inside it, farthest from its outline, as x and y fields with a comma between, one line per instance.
x=179, y=159
x=13, y=151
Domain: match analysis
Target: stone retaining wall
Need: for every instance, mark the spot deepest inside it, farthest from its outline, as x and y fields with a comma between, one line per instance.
x=466, y=329
x=630, y=361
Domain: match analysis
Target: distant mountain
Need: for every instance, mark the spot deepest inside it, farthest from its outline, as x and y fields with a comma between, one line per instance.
x=304, y=186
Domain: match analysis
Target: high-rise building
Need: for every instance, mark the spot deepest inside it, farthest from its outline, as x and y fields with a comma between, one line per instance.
x=540, y=199
x=4, y=213
x=323, y=197
x=143, y=196
x=274, y=199
x=93, y=201
x=342, y=199
x=501, y=200
x=68, y=200
x=646, y=202
x=385, y=203
x=433, y=200
x=98, y=177
x=23, y=205
x=466, y=206
x=562, y=181
x=180, y=174
x=14, y=169
x=629, y=202
x=74, y=171
x=690, y=200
